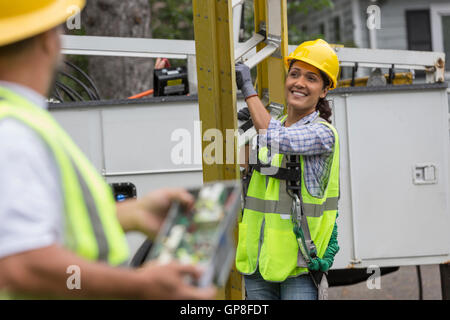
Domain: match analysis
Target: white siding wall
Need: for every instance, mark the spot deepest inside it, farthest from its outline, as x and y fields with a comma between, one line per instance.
x=393, y=32
x=314, y=19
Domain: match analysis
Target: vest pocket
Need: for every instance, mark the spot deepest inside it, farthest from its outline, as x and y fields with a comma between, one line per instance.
x=278, y=256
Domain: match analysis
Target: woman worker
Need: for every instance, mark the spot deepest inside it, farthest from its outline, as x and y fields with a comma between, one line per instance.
x=302, y=191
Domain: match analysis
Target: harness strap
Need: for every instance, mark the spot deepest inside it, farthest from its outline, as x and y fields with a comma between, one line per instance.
x=282, y=207
x=293, y=176
x=275, y=172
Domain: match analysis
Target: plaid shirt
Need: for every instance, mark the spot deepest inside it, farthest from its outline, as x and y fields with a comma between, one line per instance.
x=314, y=141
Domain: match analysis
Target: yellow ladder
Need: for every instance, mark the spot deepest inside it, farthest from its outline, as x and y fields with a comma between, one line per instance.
x=216, y=57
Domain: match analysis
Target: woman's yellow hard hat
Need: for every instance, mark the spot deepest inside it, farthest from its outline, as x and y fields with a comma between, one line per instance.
x=319, y=54
x=22, y=19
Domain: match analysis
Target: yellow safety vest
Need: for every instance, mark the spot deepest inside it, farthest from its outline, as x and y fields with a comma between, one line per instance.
x=266, y=238
x=92, y=229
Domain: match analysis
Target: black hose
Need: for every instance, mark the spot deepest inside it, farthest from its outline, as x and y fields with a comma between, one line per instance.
x=65, y=91
x=81, y=84
x=62, y=91
x=419, y=280
x=57, y=95
x=73, y=95
x=84, y=74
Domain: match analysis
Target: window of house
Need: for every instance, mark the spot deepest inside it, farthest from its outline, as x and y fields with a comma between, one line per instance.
x=446, y=38
x=419, y=30
x=337, y=30
x=440, y=31
x=304, y=29
x=322, y=29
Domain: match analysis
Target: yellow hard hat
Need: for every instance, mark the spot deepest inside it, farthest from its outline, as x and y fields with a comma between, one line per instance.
x=22, y=19
x=319, y=54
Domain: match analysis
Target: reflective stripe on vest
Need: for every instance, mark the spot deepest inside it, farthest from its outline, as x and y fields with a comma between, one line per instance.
x=91, y=226
x=100, y=237
x=266, y=237
x=272, y=206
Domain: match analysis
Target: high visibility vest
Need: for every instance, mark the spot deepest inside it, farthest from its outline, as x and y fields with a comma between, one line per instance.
x=92, y=229
x=266, y=236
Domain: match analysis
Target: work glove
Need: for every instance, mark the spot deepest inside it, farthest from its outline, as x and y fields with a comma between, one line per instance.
x=244, y=114
x=317, y=264
x=244, y=80
x=326, y=262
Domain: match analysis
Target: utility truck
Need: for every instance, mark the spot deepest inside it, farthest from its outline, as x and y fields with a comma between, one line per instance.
x=394, y=207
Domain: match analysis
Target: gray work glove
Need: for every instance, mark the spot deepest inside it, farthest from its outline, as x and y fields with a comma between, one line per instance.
x=244, y=114
x=244, y=80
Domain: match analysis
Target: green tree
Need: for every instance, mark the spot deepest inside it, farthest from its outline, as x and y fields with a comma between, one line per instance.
x=172, y=19
x=115, y=77
x=295, y=7
x=304, y=6
x=295, y=35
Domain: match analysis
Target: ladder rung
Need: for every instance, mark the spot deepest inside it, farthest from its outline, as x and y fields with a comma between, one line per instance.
x=248, y=45
x=236, y=3
x=267, y=51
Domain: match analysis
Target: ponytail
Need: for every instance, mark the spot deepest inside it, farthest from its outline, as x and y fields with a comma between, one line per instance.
x=323, y=105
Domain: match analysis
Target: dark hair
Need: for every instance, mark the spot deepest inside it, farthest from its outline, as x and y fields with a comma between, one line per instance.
x=322, y=106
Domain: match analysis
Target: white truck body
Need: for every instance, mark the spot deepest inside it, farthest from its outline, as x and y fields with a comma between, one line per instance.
x=394, y=208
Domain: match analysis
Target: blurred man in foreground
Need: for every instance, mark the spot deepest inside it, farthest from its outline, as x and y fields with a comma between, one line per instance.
x=57, y=214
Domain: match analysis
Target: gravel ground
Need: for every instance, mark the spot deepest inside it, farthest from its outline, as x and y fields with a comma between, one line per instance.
x=399, y=285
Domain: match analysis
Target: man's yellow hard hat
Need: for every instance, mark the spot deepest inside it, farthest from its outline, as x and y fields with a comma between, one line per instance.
x=319, y=54
x=22, y=19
